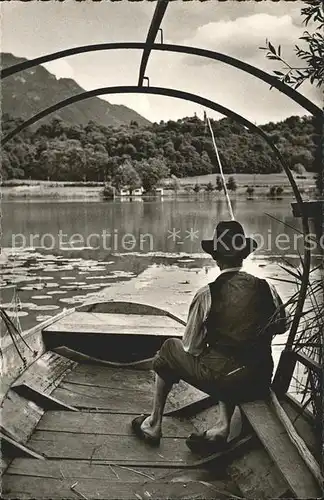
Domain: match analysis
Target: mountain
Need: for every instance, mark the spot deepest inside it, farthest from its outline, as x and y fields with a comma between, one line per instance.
x=28, y=92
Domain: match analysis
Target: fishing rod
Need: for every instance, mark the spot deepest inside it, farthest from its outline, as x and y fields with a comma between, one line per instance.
x=228, y=200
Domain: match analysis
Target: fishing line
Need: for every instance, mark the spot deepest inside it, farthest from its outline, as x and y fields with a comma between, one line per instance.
x=228, y=200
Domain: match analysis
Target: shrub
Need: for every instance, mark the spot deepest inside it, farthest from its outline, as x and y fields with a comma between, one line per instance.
x=108, y=192
x=219, y=184
x=231, y=184
x=209, y=187
x=272, y=191
x=275, y=191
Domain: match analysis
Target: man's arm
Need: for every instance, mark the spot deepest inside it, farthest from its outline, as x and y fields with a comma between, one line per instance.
x=195, y=332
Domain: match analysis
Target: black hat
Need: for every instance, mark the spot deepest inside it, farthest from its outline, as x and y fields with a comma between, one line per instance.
x=229, y=241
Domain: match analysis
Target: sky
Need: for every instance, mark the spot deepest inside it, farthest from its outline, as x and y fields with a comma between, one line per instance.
x=236, y=28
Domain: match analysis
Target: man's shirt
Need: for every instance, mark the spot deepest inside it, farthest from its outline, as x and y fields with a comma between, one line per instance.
x=242, y=289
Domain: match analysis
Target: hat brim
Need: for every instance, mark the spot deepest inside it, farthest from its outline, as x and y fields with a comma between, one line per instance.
x=250, y=246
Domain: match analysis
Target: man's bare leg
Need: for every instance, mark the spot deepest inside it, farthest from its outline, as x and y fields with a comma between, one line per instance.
x=222, y=428
x=152, y=424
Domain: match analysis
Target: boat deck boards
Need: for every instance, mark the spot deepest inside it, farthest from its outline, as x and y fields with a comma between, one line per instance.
x=92, y=453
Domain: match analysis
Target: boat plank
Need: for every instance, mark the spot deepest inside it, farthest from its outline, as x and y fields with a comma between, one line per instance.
x=23, y=488
x=95, y=447
x=126, y=400
x=101, y=423
x=257, y=476
x=74, y=469
x=46, y=372
x=11, y=448
x=4, y=463
x=106, y=323
x=302, y=425
x=121, y=307
x=128, y=378
x=42, y=399
x=101, y=376
x=280, y=448
x=19, y=416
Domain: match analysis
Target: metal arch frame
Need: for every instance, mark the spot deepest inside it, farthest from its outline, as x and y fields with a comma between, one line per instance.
x=274, y=82
x=208, y=54
x=151, y=35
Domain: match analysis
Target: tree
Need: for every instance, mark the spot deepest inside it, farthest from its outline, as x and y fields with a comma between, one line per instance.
x=279, y=190
x=219, y=184
x=108, y=192
x=151, y=172
x=231, y=184
x=126, y=176
x=196, y=188
x=68, y=152
x=275, y=191
x=299, y=169
x=312, y=56
x=210, y=187
x=272, y=191
x=250, y=191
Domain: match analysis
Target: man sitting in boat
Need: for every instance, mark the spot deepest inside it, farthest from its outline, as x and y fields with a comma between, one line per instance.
x=226, y=347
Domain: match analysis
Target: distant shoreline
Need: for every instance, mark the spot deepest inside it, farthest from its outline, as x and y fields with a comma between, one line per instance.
x=94, y=194
x=22, y=189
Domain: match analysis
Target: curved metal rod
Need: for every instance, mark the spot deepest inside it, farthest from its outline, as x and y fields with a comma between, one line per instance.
x=159, y=12
x=220, y=109
x=216, y=56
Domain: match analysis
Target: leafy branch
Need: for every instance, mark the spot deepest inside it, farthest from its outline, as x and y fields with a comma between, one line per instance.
x=312, y=57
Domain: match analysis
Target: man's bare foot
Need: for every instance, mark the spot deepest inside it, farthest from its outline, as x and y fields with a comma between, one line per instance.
x=150, y=428
x=217, y=432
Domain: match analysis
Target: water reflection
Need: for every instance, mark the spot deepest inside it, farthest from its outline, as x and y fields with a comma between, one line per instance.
x=177, y=225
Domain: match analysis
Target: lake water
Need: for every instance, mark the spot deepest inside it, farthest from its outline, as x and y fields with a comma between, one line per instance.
x=169, y=226
x=60, y=253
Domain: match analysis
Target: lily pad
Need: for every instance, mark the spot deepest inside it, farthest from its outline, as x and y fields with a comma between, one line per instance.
x=43, y=317
x=14, y=314
x=95, y=277
x=49, y=307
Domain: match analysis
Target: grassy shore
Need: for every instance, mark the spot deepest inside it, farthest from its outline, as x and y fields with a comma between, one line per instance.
x=49, y=190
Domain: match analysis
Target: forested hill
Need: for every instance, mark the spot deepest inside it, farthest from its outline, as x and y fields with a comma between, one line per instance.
x=28, y=92
x=60, y=151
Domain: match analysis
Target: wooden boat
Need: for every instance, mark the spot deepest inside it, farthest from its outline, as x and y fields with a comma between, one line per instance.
x=72, y=384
